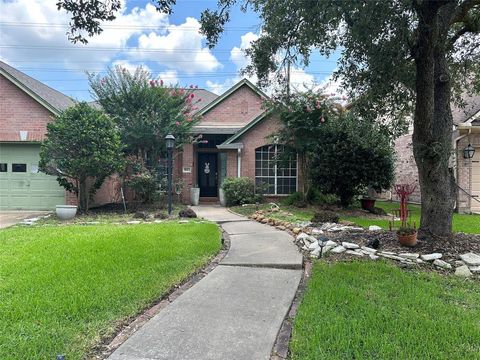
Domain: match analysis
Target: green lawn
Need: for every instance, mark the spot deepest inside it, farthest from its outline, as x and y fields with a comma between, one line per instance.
x=461, y=222
x=63, y=288
x=364, y=310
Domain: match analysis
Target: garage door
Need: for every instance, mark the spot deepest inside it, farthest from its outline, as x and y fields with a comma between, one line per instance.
x=476, y=180
x=22, y=187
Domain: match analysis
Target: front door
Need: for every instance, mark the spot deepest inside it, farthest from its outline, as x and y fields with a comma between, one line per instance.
x=207, y=174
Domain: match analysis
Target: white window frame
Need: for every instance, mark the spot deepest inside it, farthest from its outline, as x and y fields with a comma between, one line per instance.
x=276, y=176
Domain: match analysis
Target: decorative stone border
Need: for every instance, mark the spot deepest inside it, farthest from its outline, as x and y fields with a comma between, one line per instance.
x=130, y=326
x=314, y=244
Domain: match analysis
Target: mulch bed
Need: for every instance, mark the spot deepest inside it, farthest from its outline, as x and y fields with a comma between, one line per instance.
x=457, y=244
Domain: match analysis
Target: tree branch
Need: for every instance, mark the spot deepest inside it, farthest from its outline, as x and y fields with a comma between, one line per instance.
x=462, y=10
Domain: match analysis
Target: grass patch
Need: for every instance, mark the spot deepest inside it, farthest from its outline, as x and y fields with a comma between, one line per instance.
x=466, y=223
x=63, y=288
x=364, y=310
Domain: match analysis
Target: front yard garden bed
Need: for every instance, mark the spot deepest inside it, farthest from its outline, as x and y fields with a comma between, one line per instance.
x=65, y=289
x=374, y=310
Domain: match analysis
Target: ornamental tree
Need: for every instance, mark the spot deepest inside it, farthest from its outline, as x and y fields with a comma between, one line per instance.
x=145, y=110
x=350, y=155
x=82, y=149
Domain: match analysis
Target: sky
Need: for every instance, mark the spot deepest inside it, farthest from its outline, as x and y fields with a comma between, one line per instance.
x=33, y=39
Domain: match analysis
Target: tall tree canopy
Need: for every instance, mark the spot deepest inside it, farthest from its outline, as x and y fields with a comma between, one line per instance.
x=397, y=57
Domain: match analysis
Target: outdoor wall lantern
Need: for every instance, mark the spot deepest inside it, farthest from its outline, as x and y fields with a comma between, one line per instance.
x=170, y=142
x=468, y=152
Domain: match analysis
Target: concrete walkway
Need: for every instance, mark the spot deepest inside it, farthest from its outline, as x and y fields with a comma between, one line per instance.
x=236, y=311
x=9, y=218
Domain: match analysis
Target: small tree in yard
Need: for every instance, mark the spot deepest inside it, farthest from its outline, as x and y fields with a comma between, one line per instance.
x=350, y=155
x=82, y=149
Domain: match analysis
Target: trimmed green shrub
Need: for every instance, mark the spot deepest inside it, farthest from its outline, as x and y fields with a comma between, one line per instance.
x=239, y=191
x=296, y=199
x=324, y=216
x=316, y=197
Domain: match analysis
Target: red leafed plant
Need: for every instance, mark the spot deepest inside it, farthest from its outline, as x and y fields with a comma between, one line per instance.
x=404, y=191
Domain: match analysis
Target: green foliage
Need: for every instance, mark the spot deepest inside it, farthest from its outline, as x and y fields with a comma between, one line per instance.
x=145, y=110
x=239, y=191
x=296, y=199
x=82, y=148
x=316, y=197
x=351, y=155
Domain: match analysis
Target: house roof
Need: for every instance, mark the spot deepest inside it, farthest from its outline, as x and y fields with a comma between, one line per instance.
x=207, y=98
x=50, y=98
x=466, y=114
x=230, y=91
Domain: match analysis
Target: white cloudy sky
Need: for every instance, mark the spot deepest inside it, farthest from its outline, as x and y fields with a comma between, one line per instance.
x=33, y=40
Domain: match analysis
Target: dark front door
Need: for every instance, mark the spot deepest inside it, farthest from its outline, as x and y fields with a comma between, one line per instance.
x=207, y=174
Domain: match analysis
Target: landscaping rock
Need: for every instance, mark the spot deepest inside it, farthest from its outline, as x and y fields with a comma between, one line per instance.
x=430, y=257
x=348, y=245
x=352, y=252
x=369, y=250
x=160, y=215
x=313, y=246
x=187, y=213
x=463, y=271
x=442, y=264
x=393, y=257
x=474, y=269
x=374, y=228
x=134, y=222
x=471, y=259
x=419, y=261
x=296, y=230
x=316, y=231
x=338, y=250
x=373, y=256
x=315, y=253
x=141, y=215
x=411, y=256
x=373, y=243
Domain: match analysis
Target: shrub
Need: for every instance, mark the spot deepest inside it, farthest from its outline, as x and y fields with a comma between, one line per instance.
x=296, y=199
x=82, y=149
x=144, y=185
x=324, y=216
x=316, y=197
x=239, y=191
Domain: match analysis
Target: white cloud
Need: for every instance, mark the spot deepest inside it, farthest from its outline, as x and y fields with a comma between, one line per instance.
x=181, y=48
x=44, y=40
x=169, y=77
x=300, y=80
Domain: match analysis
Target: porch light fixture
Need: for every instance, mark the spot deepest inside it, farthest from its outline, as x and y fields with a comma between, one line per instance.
x=468, y=152
x=170, y=142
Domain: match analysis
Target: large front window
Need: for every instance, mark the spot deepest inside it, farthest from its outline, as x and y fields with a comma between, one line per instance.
x=275, y=173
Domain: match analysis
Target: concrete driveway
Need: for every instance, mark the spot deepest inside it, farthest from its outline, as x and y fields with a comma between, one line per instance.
x=9, y=218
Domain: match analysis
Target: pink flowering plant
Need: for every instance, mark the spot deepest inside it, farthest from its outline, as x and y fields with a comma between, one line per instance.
x=303, y=114
x=146, y=110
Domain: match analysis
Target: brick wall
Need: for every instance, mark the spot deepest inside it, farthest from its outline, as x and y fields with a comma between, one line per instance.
x=464, y=172
x=239, y=108
x=20, y=112
x=405, y=167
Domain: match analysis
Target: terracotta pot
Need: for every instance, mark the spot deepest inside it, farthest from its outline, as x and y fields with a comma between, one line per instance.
x=408, y=240
x=367, y=204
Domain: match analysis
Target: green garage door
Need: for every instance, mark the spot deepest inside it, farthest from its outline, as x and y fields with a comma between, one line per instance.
x=22, y=187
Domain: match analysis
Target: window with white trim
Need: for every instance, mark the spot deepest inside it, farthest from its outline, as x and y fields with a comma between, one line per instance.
x=275, y=174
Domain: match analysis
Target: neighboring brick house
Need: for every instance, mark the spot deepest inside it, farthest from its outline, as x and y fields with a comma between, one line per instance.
x=235, y=142
x=467, y=171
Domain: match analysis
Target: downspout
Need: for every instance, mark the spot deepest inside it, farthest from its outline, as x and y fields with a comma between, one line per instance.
x=455, y=173
x=239, y=162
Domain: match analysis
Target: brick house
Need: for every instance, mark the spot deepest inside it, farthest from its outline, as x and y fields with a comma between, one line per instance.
x=235, y=142
x=467, y=171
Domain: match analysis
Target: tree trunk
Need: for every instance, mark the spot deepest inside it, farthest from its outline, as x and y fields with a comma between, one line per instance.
x=83, y=194
x=433, y=123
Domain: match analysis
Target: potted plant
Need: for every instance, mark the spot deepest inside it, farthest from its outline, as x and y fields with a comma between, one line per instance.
x=66, y=212
x=194, y=195
x=368, y=201
x=406, y=234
